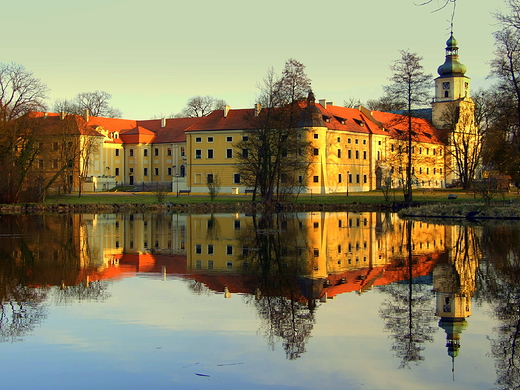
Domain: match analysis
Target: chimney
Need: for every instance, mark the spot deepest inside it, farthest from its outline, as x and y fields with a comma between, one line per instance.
x=62, y=115
x=258, y=108
x=87, y=115
x=323, y=103
x=226, y=111
x=163, y=123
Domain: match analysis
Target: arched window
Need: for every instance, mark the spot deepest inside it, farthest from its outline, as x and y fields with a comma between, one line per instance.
x=183, y=171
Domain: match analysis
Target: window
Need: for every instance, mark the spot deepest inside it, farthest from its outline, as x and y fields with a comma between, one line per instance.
x=210, y=178
x=210, y=249
x=237, y=224
x=300, y=179
x=339, y=153
x=131, y=152
x=420, y=170
x=245, y=153
x=169, y=171
x=210, y=153
x=365, y=179
x=315, y=136
x=145, y=171
x=210, y=264
x=117, y=152
x=357, y=141
x=315, y=179
x=349, y=140
x=156, y=171
x=349, y=153
x=339, y=178
x=198, y=139
x=350, y=177
x=365, y=155
x=169, y=151
x=198, y=178
x=131, y=170
x=229, y=139
x=245, y=138
x=357, y=153
x=357, y=178
x=210, y=139
x=339, y=139
x=145, y=153
x=434, y=171
x=183, y=152
x=316, y=151
x=284, y=152
x=229, y=153
x=156, y=152
x=198, y=249
x=198, y=153
x=229, y=250
x=236, y=178
x=117, y=171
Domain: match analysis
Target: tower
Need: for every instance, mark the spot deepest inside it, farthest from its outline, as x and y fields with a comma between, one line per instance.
x=452, y=85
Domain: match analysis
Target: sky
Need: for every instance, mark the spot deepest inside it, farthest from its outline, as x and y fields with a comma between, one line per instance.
x=152, y=56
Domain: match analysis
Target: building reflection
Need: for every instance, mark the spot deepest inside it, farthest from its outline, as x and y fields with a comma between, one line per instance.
x=454, y=283
x=286, y=265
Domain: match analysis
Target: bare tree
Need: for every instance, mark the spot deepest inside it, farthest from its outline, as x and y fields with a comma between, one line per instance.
x=97, y=104
x=385, y=104
x=410, y=86
x=274, y=155
x=213, y=182
x=20, y=92
x=199, y=106
x=352, y=102
x=465, y=139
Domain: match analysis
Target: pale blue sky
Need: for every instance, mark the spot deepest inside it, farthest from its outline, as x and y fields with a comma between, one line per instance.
x=153, y=55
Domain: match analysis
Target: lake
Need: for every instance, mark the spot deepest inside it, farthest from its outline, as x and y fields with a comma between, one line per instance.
x=287, y=301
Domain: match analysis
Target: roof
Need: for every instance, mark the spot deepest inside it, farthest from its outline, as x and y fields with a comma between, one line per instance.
x=240, y=119
x=130, y=131
x=173, y=130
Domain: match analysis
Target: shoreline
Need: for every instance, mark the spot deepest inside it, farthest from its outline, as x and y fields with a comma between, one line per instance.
x=205, y=208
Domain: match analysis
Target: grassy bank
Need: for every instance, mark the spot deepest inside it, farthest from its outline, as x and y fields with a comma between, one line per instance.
x=374, y=197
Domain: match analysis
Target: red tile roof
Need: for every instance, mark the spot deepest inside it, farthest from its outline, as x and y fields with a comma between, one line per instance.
x=235, y=120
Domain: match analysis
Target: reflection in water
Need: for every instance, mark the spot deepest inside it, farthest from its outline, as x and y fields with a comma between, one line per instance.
x=499, y=284
x=285, y=266
x=408, y=313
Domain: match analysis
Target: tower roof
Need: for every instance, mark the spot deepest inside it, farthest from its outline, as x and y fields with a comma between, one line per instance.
x=451, y=66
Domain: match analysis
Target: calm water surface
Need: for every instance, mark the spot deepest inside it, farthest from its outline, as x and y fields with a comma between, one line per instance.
x=230, y=301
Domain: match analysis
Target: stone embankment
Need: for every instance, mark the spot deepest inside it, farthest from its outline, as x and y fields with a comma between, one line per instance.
x=202, y=208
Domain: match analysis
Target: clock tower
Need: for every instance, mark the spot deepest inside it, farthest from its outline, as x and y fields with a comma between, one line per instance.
x=452, y=85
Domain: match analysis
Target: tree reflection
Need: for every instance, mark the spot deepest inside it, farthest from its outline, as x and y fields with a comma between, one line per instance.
x=408, y=312
x=276, y=251
x=499, y=282
x=36, y=252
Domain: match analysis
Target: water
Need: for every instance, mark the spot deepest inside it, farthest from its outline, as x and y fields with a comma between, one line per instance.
x=309, y=300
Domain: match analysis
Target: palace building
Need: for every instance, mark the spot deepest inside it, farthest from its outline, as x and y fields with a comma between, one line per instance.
x=352, y=149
